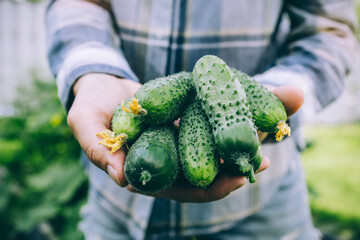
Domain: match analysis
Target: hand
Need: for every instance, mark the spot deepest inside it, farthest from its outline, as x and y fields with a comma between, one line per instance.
x=224, y=184
x=96, y=96
x=291, y=97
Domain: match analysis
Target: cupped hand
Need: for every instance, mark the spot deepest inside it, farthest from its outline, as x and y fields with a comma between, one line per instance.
x=96, y=96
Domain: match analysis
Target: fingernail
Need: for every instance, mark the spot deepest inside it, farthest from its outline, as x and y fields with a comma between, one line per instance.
x=113, y=174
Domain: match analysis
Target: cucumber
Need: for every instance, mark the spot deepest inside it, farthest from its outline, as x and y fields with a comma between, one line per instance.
x=198, y=157
x=225, y=104
x=126, y=128
x=268, y=112
x=157, y=102
x=234, y=170
x=164, y=99
x=130, y=124
x=151, y=164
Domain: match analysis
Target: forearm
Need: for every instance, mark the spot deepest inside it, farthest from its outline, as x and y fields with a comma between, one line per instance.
x=321, y=50
x=81, y=40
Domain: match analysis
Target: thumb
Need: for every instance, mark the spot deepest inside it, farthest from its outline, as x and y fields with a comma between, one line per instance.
x=291, y=97
x=85, y=125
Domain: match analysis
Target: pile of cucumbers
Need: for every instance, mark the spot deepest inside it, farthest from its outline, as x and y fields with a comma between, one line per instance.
x=220, y=111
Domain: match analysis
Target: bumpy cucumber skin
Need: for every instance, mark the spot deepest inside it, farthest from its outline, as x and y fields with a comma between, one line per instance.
x=266, y=108
x=165, y=98
x=197, y=153
x=130, y=124
x=235, y=170
x=154, y=154
x=225, y=104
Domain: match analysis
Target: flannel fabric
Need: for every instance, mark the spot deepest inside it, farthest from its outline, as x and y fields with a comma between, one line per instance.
x=309, y=44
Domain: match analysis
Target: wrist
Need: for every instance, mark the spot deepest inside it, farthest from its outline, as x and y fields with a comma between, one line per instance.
x=103, y=84
x=92, y=79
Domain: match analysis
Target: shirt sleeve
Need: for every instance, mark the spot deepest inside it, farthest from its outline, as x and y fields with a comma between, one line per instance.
x=321, y=49
x=81, y=39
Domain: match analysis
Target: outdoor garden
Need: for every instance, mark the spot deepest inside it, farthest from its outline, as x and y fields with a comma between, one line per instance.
x=43, y=185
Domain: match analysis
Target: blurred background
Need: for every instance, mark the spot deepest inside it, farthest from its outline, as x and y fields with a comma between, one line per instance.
x=42, y=185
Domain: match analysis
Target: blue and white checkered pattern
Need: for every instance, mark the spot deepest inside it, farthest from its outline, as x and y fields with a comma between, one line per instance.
x=305, y=43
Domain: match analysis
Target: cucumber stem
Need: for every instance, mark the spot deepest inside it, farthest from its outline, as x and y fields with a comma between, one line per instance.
x=246, y=167
x=110, y=140
x=283, y=129
x=251, y=176
x=134, y=107
x=145, y=177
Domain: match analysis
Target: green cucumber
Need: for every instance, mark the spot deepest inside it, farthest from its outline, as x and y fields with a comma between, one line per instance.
x=164, y=99
x=151, y=164
x=126, y=128
x=225, y=104
x=235, y=170
x=268, y=112
x=197, y=153
x=130, y=124
x=157, y=102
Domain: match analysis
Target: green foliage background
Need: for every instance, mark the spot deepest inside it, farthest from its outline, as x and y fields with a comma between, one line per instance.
x=41, y=180
x=332, y=167
x=43, y=186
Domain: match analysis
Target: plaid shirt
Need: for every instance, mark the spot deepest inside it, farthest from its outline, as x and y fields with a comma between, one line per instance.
x=309, y=44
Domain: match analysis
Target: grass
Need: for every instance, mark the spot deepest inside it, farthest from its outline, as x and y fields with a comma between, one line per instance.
x=332, y=163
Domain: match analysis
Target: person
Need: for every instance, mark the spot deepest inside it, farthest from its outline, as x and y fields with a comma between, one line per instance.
x=101, y=53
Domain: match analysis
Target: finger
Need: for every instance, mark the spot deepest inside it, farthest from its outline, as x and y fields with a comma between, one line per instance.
x=222, y=186
x=265, y=163
x=85, y=123
x=177, y=123
x=292, y=98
